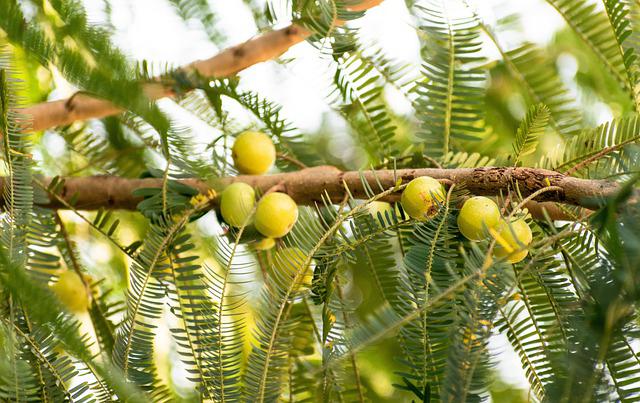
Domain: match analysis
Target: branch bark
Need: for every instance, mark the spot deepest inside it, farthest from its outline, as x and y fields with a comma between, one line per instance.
x=230, y=61
x=308, y=186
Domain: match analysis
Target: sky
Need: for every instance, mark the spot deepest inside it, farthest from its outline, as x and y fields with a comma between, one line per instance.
x=150, y=30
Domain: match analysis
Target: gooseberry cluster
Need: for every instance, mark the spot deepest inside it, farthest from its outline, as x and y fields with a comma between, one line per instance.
x=479, y=218
x=275, y=213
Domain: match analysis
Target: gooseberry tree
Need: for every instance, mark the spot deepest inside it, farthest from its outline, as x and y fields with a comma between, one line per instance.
x=497, y=212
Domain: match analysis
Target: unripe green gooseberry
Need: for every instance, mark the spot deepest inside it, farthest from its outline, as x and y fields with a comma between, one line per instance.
x=511, y=239
x=421, y=197
x=276, y=214
x=236, y=204
x=71, y=292
x=477, y=215
x=287, y=263
x=253, y=153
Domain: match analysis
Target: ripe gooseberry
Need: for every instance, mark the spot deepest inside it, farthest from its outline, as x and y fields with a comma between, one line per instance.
x=276, y=214
x=287, y=263
x=511, y=238
x=236, y=203
x=71, y=292
x=253, y=153
x=421, y=197
x=477, y=215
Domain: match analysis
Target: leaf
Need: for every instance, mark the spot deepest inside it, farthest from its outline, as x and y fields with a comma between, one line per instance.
x=601, y=152
x=450, y=98
x=200, y=10
x=604, y=33
x=531, y=127
x=537, y=74
x=358, y=96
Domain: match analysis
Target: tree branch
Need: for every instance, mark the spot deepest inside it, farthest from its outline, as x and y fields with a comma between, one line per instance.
x=230, y=61
x=308, y=186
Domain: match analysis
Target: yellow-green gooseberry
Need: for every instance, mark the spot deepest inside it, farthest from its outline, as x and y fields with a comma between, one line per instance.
x=71, y=292
x=236, y=204
x=276, y=214
x=381, y=207
x=287, y=263
x=421, y=197
x=264, y=244
x=253, y=153
x=512, y=240
x=477, y=215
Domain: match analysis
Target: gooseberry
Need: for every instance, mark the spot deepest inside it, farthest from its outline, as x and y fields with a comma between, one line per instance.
x=236, y=203
x=287, y=263
x=421, y=197
x=71, y=292
x=376, y=207
x=276, y=214
x=253, y=153
x=511, y=239
x=264, y=244
x=477, y=215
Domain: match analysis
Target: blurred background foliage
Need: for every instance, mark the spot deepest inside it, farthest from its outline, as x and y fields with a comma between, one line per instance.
x=123, y=145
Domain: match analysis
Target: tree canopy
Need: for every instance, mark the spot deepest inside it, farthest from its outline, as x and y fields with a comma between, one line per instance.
x=472, y=208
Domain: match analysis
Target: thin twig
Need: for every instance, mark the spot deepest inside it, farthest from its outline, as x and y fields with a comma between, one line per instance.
x=229, y=62
x=432, y=161
x=533, y=196
x=598, y=155
x=292, y=160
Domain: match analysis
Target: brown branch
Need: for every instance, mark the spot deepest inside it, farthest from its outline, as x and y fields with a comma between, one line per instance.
x=307, y=186
x=227, y=63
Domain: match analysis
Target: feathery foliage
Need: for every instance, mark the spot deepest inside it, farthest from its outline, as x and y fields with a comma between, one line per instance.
x=604, y=33
x=450, y=98
x=201, y=11
x=360, y=89
x=530, y=129
x=358, y=302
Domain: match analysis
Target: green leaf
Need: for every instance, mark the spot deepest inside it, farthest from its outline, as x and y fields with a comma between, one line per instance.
x=531, y=128
x=604, y=33
x=450, y=98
